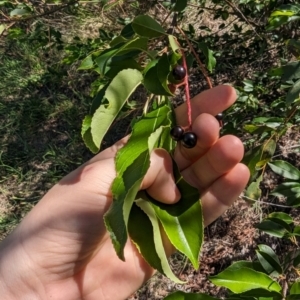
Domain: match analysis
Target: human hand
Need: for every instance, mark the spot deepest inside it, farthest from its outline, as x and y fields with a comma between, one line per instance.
x=61, y=250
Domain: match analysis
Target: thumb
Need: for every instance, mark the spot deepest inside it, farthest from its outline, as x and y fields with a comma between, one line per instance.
x=159, y=180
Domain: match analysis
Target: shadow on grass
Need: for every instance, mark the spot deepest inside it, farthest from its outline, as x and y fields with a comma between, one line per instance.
x=41, y=115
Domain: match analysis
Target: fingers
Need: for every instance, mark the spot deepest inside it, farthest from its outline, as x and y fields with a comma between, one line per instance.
x=220, y=159
x=159, y=180
x=211, y=101
x=223, y=192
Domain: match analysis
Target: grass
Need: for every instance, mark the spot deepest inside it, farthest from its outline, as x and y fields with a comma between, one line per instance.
x=39, y=128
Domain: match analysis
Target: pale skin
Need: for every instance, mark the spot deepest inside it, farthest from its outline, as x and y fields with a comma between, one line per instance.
x=61, y=249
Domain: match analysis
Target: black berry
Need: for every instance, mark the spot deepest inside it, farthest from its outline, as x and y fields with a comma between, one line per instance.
x=177, y=133
x=219, y=117
x=189, y=139
x=179, y=72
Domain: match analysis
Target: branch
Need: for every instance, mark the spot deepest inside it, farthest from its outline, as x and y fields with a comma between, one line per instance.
x=8, y=20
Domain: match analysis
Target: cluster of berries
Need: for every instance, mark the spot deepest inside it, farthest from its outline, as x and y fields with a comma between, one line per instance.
x=189, y=138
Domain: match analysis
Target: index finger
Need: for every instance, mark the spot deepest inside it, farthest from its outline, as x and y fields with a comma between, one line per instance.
x=211, y=101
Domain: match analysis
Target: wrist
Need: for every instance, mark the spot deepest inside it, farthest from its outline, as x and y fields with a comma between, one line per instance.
x=18, y=279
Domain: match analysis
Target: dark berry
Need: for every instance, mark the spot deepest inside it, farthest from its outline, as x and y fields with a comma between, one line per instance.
x=219, y=117
x=189, y=139
x=177, y=133
x=179, y=72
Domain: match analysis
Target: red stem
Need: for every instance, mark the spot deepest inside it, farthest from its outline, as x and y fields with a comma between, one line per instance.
x=187, y=92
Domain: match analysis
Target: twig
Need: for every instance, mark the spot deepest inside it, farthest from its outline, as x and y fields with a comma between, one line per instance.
x=10, y=25
x=40, y=15
x=201, y=65
x=242, y=16
x=267, y=203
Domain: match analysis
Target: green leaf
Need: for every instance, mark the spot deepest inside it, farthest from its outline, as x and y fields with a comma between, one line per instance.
x=173, y=44
x=19, y=12
x=295, y=289
x=282, y=216
x=183, y=221
x=268, y=259
x=87, y=63
x=121, y=52
x=210, y=60
x=296, y=261
x=243, y=279
x=285, y=169
x=189, y=296
x=273, y=228
x=163, y=71
x=290, y=190
x=253, y=191
x=259, y=294
x=293, y=94
x=117, y=93
x=86, y=134
x=180, y=5
x=152, y=82
x=150, y=243
x=291, y=71
x=146, y=26
x=132, y=162
x=2, y=28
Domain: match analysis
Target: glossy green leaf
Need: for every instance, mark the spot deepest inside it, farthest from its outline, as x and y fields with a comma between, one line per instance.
x=153, y=84
x=86, y=134
x=268, y=259
x=253, y=192
x=117, y=93
x=189, y=296
x=19, y=12
x=285, y=169
x=273, y=228
x=290, y=190
x=210, y=60
x=244, y=279
x=282, y=216
x=153, y=251
x=87, y=63
x=98, y=99
x=291, y=71
x=296, y=231
x=132, y=162
x=259, y=294
x=295, y=289
x=163, y=71
x=180, y=5
x=286, y=10
x=294, y=94
x=183, y=221
x=146, y=26
x=121, y=52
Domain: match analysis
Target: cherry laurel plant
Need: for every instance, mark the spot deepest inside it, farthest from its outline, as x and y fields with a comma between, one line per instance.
x=128, y=63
